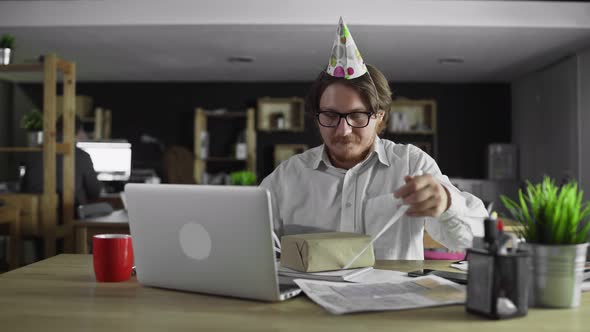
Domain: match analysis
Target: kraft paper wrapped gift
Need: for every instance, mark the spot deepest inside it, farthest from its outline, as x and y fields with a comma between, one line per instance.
x=316, y=252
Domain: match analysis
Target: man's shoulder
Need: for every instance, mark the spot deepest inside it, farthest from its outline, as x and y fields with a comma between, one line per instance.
x=81, y=155
x=305, y=159
x=290, y=171
x=400, y=151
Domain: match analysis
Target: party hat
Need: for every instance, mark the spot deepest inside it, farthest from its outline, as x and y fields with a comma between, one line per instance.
x=346, y=60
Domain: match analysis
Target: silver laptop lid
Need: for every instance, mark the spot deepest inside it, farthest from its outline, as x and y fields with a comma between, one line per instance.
x=210, y=239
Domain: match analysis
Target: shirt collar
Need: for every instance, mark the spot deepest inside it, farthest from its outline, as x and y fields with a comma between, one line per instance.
x=321, y=156
x=378, y=148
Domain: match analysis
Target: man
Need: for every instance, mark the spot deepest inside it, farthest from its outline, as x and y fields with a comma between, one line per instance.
x=355, y=181
x=87, y=187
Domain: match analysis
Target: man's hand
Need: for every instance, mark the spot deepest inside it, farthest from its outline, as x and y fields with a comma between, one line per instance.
x=425, y=195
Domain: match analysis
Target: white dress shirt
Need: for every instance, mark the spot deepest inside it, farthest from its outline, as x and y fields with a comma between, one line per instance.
x=311, y=195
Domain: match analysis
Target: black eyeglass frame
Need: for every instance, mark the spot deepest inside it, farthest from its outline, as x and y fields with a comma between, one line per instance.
x=345, y=116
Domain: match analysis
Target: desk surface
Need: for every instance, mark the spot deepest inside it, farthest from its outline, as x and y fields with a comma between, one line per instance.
x=60, y=294
x=117, y=218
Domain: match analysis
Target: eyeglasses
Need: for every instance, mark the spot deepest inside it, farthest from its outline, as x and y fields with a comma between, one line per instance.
x=354, y=119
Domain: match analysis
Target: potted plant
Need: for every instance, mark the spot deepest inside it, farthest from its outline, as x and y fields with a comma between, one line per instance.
x=33, y=123
x=243, y=178
x=555, y=227
x=6, y=45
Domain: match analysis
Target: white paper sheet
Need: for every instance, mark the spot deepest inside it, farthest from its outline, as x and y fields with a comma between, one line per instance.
x=343, y=298
x=463, y=266
x=338, y=275
x=377, y=276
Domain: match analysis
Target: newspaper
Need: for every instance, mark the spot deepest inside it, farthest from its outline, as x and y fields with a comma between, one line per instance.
x=343, y=298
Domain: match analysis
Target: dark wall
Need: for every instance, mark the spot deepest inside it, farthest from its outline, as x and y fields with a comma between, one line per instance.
x=5, y=125
x=14, y=103
x=469, y=116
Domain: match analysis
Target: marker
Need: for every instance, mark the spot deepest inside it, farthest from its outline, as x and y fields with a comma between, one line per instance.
x=491, y=235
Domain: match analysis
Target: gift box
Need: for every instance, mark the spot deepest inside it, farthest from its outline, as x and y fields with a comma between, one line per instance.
x=316, y=252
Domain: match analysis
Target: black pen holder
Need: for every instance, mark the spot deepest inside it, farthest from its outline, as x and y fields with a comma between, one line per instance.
x=498, y=285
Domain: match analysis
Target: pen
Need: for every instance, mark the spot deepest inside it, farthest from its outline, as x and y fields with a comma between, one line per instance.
x=491, y=235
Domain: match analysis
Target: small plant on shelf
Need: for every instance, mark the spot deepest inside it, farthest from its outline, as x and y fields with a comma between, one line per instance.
x=32, y=121
x=243, y=178
x=7, y=41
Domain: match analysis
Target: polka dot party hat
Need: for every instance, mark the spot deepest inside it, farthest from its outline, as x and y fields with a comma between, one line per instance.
x=346, y=60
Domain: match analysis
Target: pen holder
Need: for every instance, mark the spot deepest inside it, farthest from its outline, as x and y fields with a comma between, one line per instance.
x=498, y=285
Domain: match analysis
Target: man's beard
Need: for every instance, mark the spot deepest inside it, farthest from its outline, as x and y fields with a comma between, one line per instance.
x=346, y=149
x=345, y=140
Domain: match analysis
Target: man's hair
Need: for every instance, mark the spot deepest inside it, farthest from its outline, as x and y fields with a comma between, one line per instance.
x=372, y=87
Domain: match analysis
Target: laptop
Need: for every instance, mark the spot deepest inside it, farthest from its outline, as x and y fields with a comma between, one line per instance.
x=207, y=239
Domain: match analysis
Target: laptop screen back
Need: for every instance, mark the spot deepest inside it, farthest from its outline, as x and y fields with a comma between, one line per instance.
x=211, y=239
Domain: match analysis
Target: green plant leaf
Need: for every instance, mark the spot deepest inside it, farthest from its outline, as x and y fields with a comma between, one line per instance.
x=32, y=121
x=550, y=214
x=7, y=41
x=243, y=178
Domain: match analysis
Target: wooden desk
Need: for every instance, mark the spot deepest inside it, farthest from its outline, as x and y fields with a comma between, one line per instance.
x=115, y=223
x=60, y=294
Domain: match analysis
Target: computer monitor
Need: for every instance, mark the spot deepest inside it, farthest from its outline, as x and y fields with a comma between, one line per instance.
x=111, y=159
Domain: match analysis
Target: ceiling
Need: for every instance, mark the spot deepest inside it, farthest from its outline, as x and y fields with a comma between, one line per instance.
x=182, y=40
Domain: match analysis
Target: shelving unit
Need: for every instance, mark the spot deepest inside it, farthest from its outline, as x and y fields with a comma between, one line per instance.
x=280, y=114
x=225, y=160
x=100, y=124
x=96, y=121
x=39, y=211
x=413, y=122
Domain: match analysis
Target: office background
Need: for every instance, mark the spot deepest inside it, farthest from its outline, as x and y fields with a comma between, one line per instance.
x=500, y=72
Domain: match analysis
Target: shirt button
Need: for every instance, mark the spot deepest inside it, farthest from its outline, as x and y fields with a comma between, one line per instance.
x=348, y=204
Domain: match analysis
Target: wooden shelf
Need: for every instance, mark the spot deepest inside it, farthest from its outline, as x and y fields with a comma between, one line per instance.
x=414, y=122
x=412, y=132
x=37, y=67
x=224, y=159
x=283, y=130
x=61, y=148
x=227, y=115
x=20, y=149
x=412, y=116
x=43, y=208
x=201, y=164
x=60, y=65
x=281, y=114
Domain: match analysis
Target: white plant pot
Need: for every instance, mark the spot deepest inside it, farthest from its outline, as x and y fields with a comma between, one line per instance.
x=34, y=138
x=558, y=272
x=5, y=56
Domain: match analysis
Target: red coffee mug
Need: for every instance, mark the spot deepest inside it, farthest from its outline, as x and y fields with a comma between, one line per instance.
x=113, y=257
